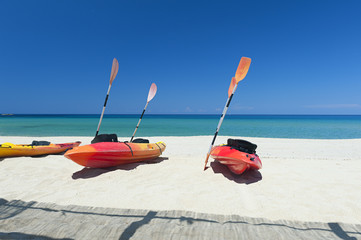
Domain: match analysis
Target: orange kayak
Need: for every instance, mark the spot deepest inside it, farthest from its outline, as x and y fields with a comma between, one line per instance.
x=44, y=148
x=236, y=160
x=110, y=154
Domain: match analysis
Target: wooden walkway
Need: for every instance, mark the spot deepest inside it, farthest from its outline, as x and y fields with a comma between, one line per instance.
x=33, y=220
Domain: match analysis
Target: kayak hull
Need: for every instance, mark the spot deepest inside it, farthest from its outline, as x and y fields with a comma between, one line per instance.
x=20, y=150
x=238, y=162
x=110, y=154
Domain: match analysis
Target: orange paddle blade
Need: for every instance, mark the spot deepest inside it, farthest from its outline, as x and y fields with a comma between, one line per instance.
x=231, y=86
x=205, y=164
x=242, y=69
x=114, y=72
x=152, y=92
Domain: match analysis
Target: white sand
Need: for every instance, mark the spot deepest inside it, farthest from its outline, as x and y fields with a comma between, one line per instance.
x=307, y=180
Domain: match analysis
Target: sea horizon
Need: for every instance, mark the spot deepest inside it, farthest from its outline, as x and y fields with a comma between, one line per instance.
x=210, y=114
x=303, y=126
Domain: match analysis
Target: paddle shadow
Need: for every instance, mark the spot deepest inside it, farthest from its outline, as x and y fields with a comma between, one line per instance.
x=248, y=177
x=94, y=172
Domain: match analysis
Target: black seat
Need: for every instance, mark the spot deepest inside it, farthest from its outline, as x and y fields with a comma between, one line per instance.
x=105, y=138
x=242, y=145
x=40, y=143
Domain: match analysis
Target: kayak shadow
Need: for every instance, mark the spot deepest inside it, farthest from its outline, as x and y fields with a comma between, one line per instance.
x=94, y=172
x=248, y=177
x=37, y=156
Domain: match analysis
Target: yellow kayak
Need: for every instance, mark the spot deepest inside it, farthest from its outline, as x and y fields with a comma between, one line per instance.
x=37, y=148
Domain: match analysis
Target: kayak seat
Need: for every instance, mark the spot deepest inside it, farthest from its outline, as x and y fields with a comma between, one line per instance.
x=242, y=145
x=40, y=143
x=140, y=140
x=105, y=138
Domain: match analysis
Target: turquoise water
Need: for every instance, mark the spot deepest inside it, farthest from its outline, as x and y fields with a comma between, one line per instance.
x=273, y=126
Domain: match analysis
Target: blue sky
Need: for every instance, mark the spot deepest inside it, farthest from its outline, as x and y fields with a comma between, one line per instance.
x=56, y=56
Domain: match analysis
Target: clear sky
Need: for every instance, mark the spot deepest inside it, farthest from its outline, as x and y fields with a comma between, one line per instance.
x=56, y=56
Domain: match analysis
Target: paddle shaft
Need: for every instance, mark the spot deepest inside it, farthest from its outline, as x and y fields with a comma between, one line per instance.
x=220, y=123
x=105, y=104
x=140, y=119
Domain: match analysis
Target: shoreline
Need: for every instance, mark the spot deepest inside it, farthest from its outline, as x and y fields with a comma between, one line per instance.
x=301, y=180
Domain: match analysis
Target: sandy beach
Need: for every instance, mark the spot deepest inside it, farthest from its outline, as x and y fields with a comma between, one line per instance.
x=301, y=180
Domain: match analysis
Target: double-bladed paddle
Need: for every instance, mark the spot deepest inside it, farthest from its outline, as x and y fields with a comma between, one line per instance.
x=151, y=94
x=239, y=76
x=113, y=73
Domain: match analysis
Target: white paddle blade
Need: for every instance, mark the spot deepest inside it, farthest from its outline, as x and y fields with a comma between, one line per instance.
x=152, y=92
x=115, y=68
x=242, y=69
x=231, y=86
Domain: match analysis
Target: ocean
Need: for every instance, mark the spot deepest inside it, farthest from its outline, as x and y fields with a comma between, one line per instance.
x=270, y=126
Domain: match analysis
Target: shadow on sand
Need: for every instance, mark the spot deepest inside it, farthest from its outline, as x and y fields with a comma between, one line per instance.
x=94, y=172
x=36, y=156
x=248, y=177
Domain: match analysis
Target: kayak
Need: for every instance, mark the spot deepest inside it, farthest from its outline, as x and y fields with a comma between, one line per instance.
x=110, y=154
x=37, y=148
x=238, y=159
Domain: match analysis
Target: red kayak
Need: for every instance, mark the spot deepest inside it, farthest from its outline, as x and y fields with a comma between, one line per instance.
x=110, y=154
x=235, y=159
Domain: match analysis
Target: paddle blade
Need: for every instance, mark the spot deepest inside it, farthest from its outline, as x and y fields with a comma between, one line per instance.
x=231, y=86
x=242, y=69
x=114, y=72
x=205, y=164
x=152, y=92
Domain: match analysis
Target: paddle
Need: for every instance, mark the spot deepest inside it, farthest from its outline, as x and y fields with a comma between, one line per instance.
x=151, y=94
x=239, y=76
x=113, y=73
